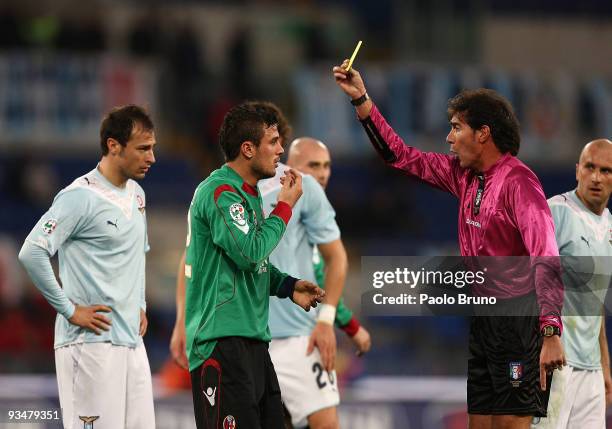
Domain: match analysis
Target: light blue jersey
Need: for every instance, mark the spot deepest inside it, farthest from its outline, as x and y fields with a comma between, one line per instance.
x=585, y=246
x=100, y=234
x=313, y=222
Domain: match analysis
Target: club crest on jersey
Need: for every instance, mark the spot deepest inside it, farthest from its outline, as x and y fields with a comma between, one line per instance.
x=49, y=226
x=237, y=211
x=229, y=422
x=141, y=205
x=516, y=373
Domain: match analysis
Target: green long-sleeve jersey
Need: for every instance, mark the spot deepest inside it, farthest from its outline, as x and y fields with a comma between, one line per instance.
x=228, y=277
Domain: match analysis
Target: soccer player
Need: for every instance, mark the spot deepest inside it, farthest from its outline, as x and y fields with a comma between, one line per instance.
x=303, y=346
x=502, y=212
x=99, y=227
x=314, y=160
x=230, y=280
x=311, y=156
x=583, y=229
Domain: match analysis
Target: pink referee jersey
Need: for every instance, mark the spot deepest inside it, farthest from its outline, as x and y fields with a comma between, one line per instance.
x=512, y=217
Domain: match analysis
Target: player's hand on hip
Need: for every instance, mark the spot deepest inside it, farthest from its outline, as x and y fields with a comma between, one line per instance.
x=291, y=190
x=88, y=317
x=324, y=338
x=349, y=81
x=362, y=341
x=551, y=357
x=307, y=294
x=178, y=345
x=143, y=323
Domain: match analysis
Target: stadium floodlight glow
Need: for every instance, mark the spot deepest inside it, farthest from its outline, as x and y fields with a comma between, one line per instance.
x=350, y=64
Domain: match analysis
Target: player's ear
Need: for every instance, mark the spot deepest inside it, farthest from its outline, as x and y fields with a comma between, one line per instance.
x=577, y=167
x=484, y=133
x=247, y=148
x=114, y=147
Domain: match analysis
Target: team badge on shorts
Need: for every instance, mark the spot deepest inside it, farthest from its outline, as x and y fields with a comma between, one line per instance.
x=49, y=226
x=516, y=373
x=88, y=421
x=236, y=211
x=229, y=422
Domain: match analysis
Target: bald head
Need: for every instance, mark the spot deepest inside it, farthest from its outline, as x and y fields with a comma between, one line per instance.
x=599, y=145
x=594, y=175
x=310, y=156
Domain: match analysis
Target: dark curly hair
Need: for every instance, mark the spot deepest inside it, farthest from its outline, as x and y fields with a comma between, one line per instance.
x=483, y=106
x=246, y=122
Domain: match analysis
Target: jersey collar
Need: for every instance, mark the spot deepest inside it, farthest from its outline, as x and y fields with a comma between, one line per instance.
x=251, y=190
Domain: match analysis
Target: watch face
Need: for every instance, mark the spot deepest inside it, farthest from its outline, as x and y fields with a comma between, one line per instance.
x=548, y=331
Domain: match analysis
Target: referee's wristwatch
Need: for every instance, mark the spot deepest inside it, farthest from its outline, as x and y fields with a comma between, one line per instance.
x=359, y=101
x=550, y=330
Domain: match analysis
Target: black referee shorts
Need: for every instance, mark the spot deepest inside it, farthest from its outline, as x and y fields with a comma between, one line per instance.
x=236, y=387
x=504, y=362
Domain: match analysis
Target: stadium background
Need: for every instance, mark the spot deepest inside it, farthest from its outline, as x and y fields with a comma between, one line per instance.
x=64, y=63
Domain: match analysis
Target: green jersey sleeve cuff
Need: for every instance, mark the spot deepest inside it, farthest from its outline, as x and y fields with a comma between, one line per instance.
x=283, y=211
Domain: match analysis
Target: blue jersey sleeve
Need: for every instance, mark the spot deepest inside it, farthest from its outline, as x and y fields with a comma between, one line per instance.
x=64, y=220
x=318, y=216
x=61, y=222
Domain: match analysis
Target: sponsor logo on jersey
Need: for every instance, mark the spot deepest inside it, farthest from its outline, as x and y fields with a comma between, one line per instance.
x=110, y=222
x=473, y=223
x=49, y=226
x=237, y=211
x=516, y=373
x=229, y=422
x=263, y=268
x=88, y=421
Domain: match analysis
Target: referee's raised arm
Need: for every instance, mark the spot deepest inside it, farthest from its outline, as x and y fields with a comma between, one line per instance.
x=437, y=169
x=352, y=84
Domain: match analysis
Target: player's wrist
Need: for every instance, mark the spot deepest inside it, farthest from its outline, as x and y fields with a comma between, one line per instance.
x=352, y=327
x=327, y=314
x=69, y=311
x=360, y=99
x=284, y=210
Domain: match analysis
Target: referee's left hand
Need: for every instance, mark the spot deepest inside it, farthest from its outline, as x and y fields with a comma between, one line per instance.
x=551, y=357
x=307, y=294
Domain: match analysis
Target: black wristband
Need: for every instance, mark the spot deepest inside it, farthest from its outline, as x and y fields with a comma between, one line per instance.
x=286, y=288
x=359, y=101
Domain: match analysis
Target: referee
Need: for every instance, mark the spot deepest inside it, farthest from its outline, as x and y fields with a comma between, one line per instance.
x=502, y=212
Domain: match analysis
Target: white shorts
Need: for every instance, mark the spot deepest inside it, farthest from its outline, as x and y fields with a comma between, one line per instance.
x=305, y=386
x=108, y=384
x=577, y=400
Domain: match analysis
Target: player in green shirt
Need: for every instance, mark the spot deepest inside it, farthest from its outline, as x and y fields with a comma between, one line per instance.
x=229, y=278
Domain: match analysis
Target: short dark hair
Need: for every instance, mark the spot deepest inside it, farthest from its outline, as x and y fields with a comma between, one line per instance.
x=246, y=122
x=483, y=106
x=284, y=127
x=120, y=122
